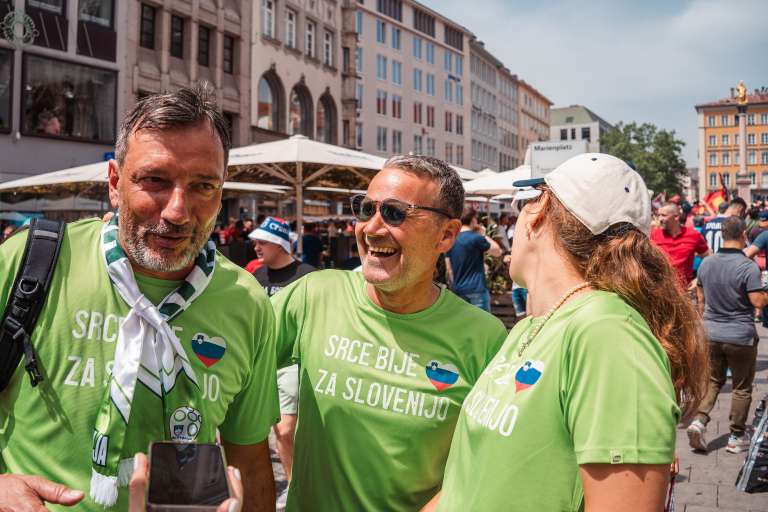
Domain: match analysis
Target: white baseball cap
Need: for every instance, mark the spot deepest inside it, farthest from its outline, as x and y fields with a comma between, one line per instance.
x=600, y=190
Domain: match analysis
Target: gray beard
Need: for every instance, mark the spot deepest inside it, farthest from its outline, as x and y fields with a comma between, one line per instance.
x=134, y=236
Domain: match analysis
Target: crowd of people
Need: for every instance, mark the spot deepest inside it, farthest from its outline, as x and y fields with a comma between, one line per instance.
x=385, y=390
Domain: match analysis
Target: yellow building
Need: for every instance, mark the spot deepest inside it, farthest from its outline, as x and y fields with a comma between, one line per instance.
x=719, y=143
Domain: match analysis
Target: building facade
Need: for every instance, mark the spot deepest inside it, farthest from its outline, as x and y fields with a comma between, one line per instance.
x=577, y=122
x=484, y=85
x=508, y=121
x=719, y=140
x=409, y=81
x=296, y=62
x=61, y=93
x=534, y=115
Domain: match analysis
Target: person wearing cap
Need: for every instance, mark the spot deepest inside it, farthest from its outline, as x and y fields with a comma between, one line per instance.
x=680, y=243
x=762, y=225
x=578, y=409
x=279, y=269
x=386, y=356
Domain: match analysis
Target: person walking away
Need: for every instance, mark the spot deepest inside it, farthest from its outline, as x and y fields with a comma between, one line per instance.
x=729, y=288
x=579, y=408
x=712, y=229
x=311, y=245
x=501, y=233
x=279, y=269
x=465, y=259
x=679, y=243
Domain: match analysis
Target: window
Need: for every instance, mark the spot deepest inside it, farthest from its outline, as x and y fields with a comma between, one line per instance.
x=764, y=138
x=325, y=120
x=395, y=38
x=713, y=159
x=711, y=121
x=430, y=146
x=417, y=79
x=430, y=84
x=268, y=109
x=53, y=6
x=359, y=134
x=147, y=27
x=418, y=147
x=723, y=120
x=430, y=53
x=63, y=99
x=430, y=116
x=381, y=138
x=459, y=65
x=423, y=22
x=564, y=134
x=726, y=158
x=397, y=142
x=764, y=157
x=6, y=65
x=448, y=121
x=736, y=140
x=177, y=36
x=397, y=106
x=417, y=47
x=381, y=67
x=750, y=118
x=359, y=22
x=381, y=102
x=448, y=61
x=228, y=61
x=449, y=152
x=268, y=17
x=764, y=118
x=454, y=37
x=585, y=134
x=203, y=45
x=459, y=154
x=309, y=39
x=397, y=72
x=290, y=28
x=713, y=140
x=448, y=93
x=751, y=158
x=391, y=8
x=459, y=125
x=359, y=60
x=381, y=32
x=459, y=94
x=345, y=63
x=359, y=95
x=751, y=139
x=726, y=140
x=300, y=112
x=727, y=179
x=328, y=48
x=417, y=112
x=98, y=12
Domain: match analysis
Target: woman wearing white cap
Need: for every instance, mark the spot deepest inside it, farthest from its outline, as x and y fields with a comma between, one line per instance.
x=579, y=407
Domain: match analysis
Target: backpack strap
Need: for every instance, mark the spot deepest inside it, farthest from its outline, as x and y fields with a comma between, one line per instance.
x=27, y=298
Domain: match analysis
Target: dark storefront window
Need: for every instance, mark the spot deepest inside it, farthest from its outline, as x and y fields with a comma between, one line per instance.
x=52, y=6
x=97, y=11
x=147, y=34
x=203, y=45
x=177, y=37
x=6, y=81
x=228, y=63
x=62, y=99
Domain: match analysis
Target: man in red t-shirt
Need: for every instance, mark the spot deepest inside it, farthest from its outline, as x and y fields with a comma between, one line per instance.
x=680, y=243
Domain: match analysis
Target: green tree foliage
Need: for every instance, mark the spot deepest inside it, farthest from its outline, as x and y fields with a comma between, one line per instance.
x=656, y=154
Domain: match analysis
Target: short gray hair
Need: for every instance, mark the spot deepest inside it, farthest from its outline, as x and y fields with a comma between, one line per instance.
x=167, y=111
x=733, y=227
x=451, y=195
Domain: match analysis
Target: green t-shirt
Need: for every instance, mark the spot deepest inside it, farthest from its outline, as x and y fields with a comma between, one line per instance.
x=47, y=430
x=594, y=386
x=379, y=392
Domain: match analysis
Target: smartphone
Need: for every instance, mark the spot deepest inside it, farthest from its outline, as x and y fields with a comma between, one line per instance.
x=186, y=476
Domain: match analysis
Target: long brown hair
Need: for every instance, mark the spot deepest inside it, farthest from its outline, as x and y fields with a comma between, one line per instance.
x=623, y=260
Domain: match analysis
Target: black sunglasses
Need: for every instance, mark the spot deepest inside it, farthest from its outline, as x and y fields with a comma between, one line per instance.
x=393, y=211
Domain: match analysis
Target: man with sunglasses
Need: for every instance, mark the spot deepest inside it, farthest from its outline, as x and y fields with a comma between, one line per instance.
x=386, y=356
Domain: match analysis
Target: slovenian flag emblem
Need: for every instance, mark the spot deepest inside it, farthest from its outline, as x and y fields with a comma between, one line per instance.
x=528, y=375
x=208, y=350
x=441, y=375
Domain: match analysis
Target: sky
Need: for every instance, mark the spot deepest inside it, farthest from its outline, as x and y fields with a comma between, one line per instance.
x=640, y=60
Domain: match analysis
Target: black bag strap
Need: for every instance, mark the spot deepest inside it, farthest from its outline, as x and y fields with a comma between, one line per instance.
x=27, y=298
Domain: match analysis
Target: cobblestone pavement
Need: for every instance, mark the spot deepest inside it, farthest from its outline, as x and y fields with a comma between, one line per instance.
x=706, y=482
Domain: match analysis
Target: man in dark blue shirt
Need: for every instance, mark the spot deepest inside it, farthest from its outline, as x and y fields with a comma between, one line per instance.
x=465, y=261
x=311, y=246
x=712, y=231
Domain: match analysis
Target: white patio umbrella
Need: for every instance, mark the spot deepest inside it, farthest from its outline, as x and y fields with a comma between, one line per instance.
x=498, y=183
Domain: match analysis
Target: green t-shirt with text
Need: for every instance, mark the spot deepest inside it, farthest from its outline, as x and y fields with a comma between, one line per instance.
x=379, y=392
x=47, y=430
x=594, y=386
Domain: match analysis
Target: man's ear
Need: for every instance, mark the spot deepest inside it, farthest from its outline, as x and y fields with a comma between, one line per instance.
x=449, y=232
x=113, y=178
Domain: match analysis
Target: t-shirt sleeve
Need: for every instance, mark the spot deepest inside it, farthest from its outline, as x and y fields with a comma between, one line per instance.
x=701, y=244
x=482, y=243
x=617, y=395
x=761, y=242
x=256, y=408
x=289, y=305
x=752, y=281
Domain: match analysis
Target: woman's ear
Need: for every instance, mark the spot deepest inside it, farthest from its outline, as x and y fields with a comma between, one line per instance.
x=537, y=210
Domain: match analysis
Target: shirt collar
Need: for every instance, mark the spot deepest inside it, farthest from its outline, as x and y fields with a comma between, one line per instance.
x=728, y=250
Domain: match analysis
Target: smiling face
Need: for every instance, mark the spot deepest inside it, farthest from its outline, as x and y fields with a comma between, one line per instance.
x=168, y=191
x=396, y=257
x=669, y=217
